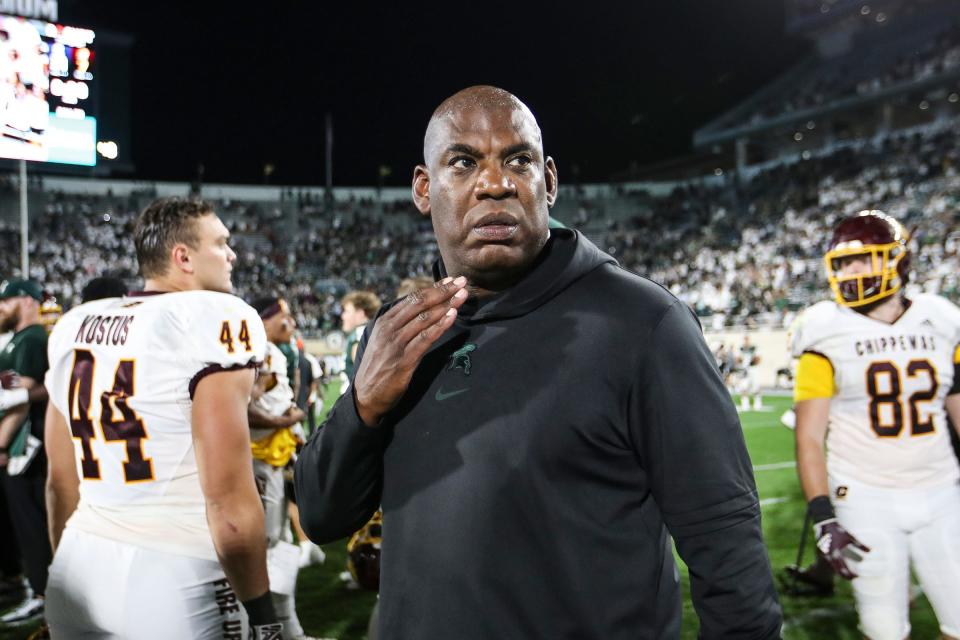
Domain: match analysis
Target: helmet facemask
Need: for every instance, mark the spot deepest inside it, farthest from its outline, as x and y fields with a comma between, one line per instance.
x=881, y=280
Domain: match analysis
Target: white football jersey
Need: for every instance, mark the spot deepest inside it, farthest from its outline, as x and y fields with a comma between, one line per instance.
x=279, y=394
x=888, y=424
x=123, y=372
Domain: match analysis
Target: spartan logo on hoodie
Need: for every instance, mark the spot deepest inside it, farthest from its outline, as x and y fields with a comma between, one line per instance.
x=460, y=359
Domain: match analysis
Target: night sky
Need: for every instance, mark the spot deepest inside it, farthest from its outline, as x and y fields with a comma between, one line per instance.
x=612, y=84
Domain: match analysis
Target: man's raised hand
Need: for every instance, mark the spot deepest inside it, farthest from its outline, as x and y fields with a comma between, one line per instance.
x=399, y=340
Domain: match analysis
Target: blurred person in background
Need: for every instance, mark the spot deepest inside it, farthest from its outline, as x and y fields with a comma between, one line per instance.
x=104, y=287
x=358, y=307
x=749, y=384
x=274, y=416
x=21, y=436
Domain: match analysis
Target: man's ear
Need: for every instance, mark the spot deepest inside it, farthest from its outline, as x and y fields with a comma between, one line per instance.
x=421, y=189
x=180, y=255
x=550, y=177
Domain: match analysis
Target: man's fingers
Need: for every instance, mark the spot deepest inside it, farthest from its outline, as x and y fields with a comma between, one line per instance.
x=427, y=318
x=421, y=340
x=860, y=545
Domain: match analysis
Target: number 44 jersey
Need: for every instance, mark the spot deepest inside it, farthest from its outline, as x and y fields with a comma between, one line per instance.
x=123, y=372
x=887, y=384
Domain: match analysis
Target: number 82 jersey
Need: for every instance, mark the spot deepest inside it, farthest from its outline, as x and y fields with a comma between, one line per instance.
x=887, y=384
x=123, y=372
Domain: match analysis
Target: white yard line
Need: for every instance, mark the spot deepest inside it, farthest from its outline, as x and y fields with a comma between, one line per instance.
x=775, y=465
x=766, y=502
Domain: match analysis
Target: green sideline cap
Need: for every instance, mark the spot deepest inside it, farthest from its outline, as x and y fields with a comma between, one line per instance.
x=16, y=288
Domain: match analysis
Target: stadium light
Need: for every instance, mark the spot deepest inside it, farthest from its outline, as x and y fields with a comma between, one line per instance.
x=108, y=149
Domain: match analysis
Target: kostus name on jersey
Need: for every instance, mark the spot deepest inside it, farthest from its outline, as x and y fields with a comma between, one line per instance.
x=104, y=329
x=872, y=346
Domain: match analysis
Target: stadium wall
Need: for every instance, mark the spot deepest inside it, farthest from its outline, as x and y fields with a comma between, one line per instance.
x=772, y=347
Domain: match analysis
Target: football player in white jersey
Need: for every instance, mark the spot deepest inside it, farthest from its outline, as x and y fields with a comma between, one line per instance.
x=154, y=514
x=876, y=382
x=274, y=417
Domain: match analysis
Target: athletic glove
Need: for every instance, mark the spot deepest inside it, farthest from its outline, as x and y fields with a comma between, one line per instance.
x=264, y=624
x=13, y=397
x=835, y=543
x=267, y=631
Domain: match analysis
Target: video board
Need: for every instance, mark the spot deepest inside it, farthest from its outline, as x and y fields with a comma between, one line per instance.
x=47, y=101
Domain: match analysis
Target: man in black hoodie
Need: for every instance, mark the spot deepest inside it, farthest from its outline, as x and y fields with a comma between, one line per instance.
x=537, y=425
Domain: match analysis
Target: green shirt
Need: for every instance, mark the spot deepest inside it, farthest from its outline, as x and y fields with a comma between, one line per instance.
x=26, y=353
x=292, y=360
x=353, y=338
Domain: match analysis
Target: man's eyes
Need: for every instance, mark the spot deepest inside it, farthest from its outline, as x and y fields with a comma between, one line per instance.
x=520, y=161
x=466, y=162
x=462, y=162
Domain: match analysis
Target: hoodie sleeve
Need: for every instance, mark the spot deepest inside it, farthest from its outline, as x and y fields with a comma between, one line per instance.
x=339, y=472
x=691, y=445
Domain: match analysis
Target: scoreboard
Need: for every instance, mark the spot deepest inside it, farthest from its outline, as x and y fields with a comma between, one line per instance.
x=47, y=93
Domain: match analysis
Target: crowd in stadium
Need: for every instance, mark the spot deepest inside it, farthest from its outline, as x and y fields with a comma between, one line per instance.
x=745, y=252
x=857, y=74
x=751, y=252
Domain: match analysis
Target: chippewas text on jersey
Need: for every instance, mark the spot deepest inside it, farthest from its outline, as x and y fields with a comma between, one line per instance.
x=893, y=343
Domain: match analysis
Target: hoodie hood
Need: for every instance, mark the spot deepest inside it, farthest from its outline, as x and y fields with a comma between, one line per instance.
x=567, y=257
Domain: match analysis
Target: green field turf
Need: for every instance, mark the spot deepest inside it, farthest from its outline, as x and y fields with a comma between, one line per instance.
x=328, y=609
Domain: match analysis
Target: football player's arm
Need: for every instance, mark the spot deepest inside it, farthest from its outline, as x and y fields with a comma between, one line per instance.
x=234, y=510
x=952, y=401
x=14, y=416
x=63, y=484
x=688, y=439
x=811, y=433
x=814, y=386
x=260, y=418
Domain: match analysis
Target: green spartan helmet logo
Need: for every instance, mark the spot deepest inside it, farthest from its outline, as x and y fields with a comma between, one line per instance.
x=460, y=359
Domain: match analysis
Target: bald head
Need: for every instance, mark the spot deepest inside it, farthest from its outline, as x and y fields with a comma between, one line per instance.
x=477, y=99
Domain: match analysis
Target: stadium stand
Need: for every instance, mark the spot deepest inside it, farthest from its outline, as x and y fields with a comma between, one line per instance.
x=743, y=252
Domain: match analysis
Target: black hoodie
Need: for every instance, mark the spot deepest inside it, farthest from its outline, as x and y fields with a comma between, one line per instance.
x=531, y=472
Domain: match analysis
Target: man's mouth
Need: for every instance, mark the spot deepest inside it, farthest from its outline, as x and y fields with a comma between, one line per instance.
x=496, y=227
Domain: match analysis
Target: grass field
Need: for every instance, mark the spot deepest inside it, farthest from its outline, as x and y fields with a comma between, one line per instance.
x=328, y=609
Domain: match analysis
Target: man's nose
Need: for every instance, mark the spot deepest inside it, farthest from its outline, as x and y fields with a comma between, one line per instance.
x=494, y=182
x=858, y=265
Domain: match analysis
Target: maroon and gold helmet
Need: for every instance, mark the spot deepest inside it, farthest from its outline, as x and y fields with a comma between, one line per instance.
x=882, y=241
x=363, y=553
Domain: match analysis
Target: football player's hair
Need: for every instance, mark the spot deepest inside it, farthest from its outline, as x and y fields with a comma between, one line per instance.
x=104, y=287
x=265, y=302
x=164, y=223
x=409, y=285
x=366, y=301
